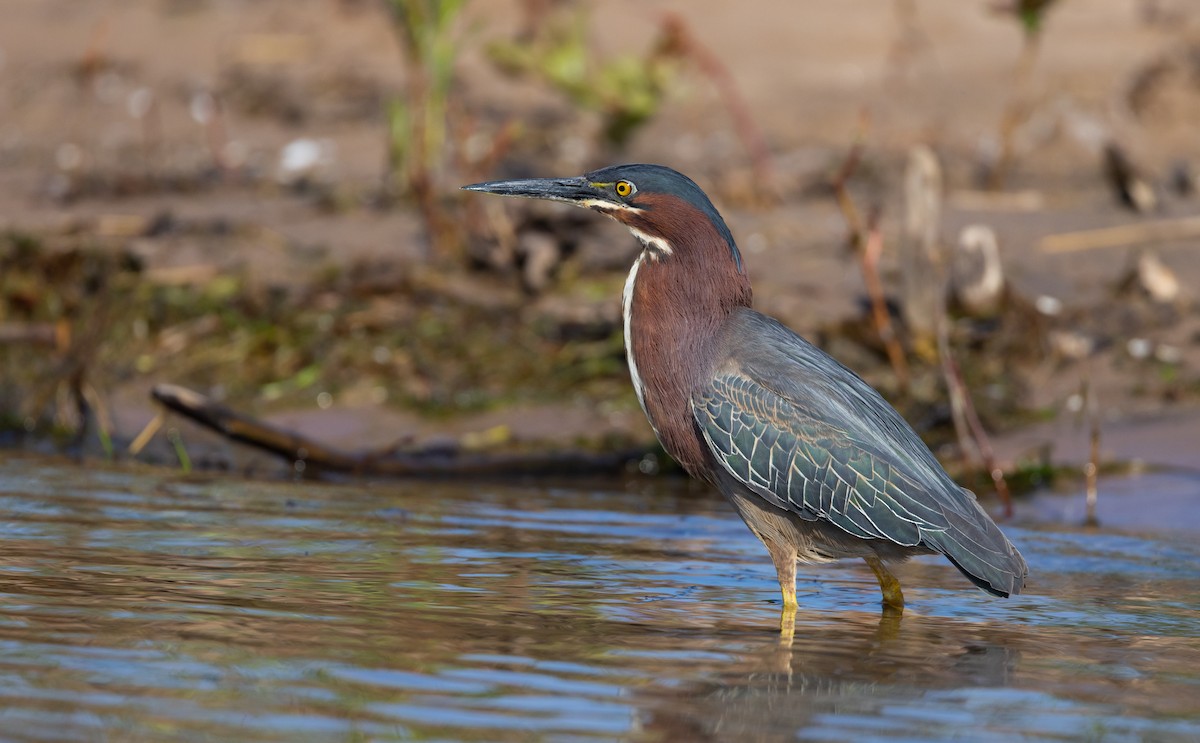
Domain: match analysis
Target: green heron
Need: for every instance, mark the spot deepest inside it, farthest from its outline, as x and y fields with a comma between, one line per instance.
x=814, y=460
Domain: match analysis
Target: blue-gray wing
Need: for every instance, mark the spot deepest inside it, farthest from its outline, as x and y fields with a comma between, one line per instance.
x=809, y=436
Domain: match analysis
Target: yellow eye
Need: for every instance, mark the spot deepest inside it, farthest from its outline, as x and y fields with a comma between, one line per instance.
x=625, y=189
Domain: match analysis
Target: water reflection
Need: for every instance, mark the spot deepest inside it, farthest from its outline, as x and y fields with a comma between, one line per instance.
x=926, y=678
x=145, y=605
x=841, y=677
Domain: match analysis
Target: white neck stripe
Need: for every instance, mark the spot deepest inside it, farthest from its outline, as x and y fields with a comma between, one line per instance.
x=651, y=242
x=627, y=317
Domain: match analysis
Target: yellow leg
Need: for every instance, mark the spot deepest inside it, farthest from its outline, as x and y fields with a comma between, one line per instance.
x=893, y=597
x=785, y=568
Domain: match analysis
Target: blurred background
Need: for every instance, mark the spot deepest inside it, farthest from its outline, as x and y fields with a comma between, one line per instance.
x=987, y=209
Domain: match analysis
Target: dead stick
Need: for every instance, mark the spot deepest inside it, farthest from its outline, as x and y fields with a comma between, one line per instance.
x=1139, y=233
x=958, y=388
x=389, y=462
x=869, y=263
x=868, y=246
x=148, y=432
x=956, y=393
x=840, y=179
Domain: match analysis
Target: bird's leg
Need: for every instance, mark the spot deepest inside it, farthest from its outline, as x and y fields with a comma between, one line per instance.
x=784, y=558
x=893, y=597
x=785, y=568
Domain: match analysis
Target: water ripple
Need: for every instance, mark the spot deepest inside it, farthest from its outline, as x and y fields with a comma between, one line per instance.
x=142, y=605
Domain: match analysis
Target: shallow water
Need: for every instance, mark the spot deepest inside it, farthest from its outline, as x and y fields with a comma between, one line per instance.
x=151, y=606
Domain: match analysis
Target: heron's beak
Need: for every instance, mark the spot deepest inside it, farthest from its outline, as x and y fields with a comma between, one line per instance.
x=578, y=191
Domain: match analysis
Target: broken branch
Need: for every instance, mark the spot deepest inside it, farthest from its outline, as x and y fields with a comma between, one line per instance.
x=1163, y=230
x=389, y=462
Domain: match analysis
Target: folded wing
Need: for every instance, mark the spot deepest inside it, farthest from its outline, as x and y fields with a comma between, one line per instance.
x=809, y=436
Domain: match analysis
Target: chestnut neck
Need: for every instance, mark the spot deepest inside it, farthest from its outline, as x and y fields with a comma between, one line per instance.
x=684, y=285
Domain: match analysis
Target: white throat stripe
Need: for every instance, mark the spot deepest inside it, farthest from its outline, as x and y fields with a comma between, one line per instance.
x=651, y=242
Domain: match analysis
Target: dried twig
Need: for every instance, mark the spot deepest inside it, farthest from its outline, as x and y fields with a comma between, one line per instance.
x=1140, y=233
x=972, y=438
x=313, y=457
x=839, y=183
x=679, y=39
x=868, y=246
x=148, y=432
x=869, y=263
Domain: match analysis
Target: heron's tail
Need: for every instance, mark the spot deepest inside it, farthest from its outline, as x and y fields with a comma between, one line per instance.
x=977, y=547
